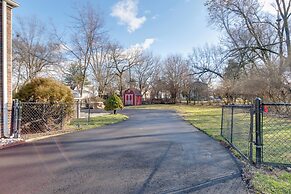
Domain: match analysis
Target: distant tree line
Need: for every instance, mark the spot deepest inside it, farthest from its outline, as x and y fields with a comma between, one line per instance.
x=85, y=55
x=252, y=59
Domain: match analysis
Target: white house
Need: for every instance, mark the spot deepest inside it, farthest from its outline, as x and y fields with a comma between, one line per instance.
x=88, y=92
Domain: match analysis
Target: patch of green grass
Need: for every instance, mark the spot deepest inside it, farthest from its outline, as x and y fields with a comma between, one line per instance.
x=272, y=183
x=277, y=139
x=95, y=122
x=207, y=119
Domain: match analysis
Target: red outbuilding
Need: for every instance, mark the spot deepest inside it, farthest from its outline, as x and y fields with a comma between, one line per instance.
x=132, y=97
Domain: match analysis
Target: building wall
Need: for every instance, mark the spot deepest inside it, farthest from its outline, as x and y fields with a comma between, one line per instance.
x=9, y=62
x=9, y=65
x=1, y=64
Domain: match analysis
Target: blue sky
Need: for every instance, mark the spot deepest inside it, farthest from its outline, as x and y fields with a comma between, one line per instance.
x=162, y=26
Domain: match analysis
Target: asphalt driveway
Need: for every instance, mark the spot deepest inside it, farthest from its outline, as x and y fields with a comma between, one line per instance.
x=154, y=151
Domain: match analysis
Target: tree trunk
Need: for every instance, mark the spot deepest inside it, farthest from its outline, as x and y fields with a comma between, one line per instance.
x=120, y=86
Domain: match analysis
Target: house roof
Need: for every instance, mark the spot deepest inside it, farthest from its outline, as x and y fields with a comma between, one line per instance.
x=12, y=3
x=135, y=91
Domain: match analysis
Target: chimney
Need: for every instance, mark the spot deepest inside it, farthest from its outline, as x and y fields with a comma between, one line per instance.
x=6, y=66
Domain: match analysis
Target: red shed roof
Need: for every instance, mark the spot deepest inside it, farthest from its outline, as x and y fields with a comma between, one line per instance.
x=135, y=91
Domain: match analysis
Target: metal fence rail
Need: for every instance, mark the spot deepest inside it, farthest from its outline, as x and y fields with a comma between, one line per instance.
x=261, y=133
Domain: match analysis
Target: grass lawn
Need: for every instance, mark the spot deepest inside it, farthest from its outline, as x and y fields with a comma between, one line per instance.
x=208, y=120
x=276, y=181
x=277, y=139
x=94, y=122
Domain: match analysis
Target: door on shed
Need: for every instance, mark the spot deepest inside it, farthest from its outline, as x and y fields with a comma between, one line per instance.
x=128, y=99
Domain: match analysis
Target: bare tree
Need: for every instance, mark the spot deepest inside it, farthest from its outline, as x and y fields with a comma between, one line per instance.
x=158, y=86
x=187, y=88
x=34, y=51
x=284, y=11
x=101, y=70
x=145, y=70
x=175, y=71
x=87, y=32
x=122, y=61
x=207, y=62
x=249, y=32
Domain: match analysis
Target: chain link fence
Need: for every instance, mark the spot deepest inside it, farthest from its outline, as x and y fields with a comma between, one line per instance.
x=32, y=119
x=41, y=118
x=261, y=133
x=276, y=131
x=84, y=111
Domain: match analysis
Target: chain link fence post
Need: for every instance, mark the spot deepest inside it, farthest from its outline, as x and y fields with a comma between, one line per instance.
x=62, y=117
x=231, y=125
x=16, y=118
x=251, y=133
x=78, y=112
x=222, y=115
x=259, y=143
x=14, y=115
x=19, y=118
x=89, y=111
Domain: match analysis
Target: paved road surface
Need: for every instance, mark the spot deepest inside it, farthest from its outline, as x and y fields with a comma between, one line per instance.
x=154, y=151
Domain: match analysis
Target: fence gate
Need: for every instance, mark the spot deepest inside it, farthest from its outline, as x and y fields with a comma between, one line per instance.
x=237, y=128
x=261, y=132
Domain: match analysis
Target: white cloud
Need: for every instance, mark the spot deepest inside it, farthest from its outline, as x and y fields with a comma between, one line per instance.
x=140, y=46
x=126, y=11
x=145, y=45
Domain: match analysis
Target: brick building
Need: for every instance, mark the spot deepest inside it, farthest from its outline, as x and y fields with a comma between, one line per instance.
x=6, y=7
